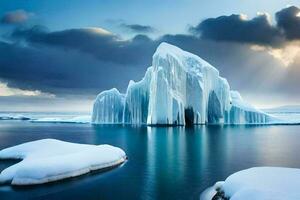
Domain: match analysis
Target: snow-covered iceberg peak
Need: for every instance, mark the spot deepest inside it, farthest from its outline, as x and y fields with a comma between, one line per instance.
x=179, y=88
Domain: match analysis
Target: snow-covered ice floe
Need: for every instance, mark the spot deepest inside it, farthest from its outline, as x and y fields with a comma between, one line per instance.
x=179, y=88
x=84, y=119
x=8, y=116
x=259, y=183
x=50, y=160
x=47, y=117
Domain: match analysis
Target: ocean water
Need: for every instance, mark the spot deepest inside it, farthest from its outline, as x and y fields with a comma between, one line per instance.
x=164, y=162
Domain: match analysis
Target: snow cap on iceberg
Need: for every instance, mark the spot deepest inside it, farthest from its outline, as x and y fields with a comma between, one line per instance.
x=164, y=49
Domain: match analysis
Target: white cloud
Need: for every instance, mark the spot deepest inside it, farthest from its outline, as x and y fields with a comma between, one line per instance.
x=268, y=16
x=8, y=91
x=243, y=16
x=98, y=30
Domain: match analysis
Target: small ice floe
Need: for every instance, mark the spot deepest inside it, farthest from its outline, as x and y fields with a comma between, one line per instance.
x=259, y=183
x=13, y=116
x=50, y=160
x=84, y=119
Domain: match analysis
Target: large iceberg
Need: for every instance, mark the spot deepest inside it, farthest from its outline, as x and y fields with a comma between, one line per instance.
x=50, y=160
x=179, y=88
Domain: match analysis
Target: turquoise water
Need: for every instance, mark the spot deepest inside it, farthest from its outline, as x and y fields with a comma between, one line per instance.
x=164, y=163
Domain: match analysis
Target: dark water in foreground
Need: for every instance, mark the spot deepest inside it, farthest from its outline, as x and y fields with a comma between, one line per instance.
x=164, y=163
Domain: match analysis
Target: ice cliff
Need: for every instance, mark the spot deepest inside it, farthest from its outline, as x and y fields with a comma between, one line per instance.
x=179, y=88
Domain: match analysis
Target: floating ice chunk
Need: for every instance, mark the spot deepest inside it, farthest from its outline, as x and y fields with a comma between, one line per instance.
x=50, y=160
x=48, y=117
x=259, y=183
x=84, y=119
x=13, y=116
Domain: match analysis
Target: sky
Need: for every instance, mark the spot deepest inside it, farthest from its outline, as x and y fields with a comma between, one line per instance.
x=58, y=55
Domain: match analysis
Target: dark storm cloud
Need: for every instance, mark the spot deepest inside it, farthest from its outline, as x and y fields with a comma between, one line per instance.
x=235, y=28
x=95, y=41
x=137, y=28
x=61, y=72
x=15, y=17
x=53, y=69
x=288, y=20
x=73, y=61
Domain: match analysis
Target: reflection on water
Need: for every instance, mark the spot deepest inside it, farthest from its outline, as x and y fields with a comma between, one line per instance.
x=164, y=163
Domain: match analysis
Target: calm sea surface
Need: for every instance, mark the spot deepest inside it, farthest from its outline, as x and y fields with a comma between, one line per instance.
x=164, y=163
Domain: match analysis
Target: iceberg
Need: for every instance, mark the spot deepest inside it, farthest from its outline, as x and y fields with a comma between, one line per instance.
x=258, y=183
x=108, y=107
x=50, y=160
x=179, y=88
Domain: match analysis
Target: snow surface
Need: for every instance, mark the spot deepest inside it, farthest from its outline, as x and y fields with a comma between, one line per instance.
x=179, y=88
x=50, y=160
x=49, y=117
x=84, y=119
x=13, y=116
x=261, y=183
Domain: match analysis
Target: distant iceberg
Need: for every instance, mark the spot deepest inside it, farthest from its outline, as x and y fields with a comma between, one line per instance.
x=50, y=160
x=47, y=117
x=258, y=183
x=81, y=119
x=179, y=88
x=13, y=116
